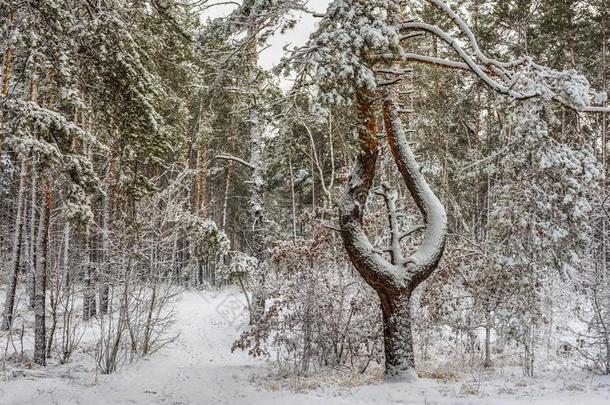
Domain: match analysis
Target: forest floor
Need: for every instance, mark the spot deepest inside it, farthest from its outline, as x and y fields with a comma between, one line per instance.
x=199, y=368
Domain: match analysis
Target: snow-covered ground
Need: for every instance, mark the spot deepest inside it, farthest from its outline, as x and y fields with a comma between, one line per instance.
x=199, y=368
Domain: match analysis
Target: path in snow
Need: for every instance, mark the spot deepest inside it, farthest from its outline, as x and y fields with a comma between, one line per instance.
x=198, y=368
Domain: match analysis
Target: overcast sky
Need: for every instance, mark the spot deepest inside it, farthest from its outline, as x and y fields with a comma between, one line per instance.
x=270, y=56
x=297, y=36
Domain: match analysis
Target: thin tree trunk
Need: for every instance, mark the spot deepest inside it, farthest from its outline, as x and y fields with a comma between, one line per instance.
x=9, y=305
x=148, y=325
x=6, y=66
x=225, y=203
x=54, y=301
x=257, y=206
x=258, y=184
x=89, y=309
x=294, y=204
x=487, y=362
x=103, y=254
x=201, y=180
x=65, y=266
x=40, y=348
x=7, y=61
x=33, y=260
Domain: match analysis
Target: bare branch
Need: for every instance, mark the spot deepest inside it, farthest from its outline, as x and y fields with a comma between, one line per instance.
x=390, y=203
x=486, y=66
x=411, y=231
x=472, y=65
x=225, y=156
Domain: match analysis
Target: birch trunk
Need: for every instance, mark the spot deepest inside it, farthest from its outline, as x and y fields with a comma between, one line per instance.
x=257, y=207
x=258, y=184
x=65, y=266
x=225, y=203
x=487, y=362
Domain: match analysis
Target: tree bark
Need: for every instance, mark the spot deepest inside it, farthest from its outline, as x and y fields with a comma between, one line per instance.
x=398, y=337
x=6, y=64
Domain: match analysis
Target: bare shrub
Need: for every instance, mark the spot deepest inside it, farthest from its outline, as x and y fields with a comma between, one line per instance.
x=322, y=315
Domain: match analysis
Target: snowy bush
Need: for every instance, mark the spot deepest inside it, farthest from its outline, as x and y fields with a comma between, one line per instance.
x=240, y=267
x=322, y=315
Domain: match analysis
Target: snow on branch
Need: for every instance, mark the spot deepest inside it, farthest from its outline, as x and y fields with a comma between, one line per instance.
x=426, y=257
x=390, y=197
x=411, y=231
x=520, y=78
x=225, y=156
x=472, y=65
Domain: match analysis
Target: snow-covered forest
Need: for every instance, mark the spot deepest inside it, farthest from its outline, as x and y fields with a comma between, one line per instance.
x=308, y=202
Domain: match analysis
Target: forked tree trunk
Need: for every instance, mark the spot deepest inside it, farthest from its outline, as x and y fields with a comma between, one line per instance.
x=395, y=279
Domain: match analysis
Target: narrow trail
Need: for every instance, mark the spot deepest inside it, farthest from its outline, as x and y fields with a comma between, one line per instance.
x=199, y=368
